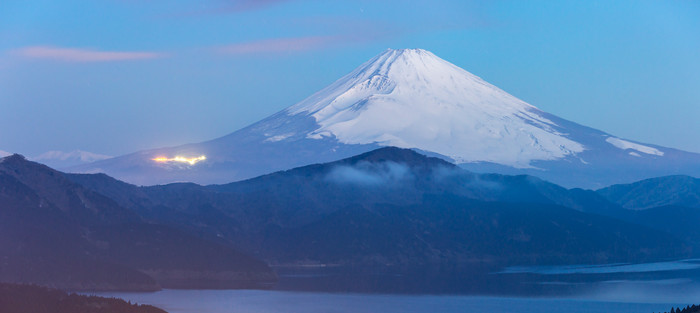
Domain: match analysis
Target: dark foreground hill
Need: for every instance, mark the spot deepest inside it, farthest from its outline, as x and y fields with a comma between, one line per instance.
x=656, y=192
x=15, y=298
x=669, y=203
x=397, y=207
x=57, y=233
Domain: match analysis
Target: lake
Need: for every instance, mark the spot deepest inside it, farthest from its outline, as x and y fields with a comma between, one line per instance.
x=248, y=301
x=639, y=288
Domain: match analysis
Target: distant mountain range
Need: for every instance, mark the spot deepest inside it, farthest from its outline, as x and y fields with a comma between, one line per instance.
x=409, y=98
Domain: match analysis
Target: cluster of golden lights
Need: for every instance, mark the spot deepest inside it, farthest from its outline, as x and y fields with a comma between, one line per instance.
x=180, y=159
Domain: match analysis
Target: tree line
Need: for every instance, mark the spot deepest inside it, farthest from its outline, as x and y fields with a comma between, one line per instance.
x=17, y=298
x=688, y=309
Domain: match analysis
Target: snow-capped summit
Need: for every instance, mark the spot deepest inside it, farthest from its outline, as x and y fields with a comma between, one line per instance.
x=410, y=98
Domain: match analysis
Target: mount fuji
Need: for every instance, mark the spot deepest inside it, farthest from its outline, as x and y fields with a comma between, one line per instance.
x=409, y=98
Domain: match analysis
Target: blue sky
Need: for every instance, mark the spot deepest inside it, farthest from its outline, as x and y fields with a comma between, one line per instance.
x=116, y=76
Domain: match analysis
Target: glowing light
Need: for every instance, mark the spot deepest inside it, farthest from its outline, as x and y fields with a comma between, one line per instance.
x=180, y=159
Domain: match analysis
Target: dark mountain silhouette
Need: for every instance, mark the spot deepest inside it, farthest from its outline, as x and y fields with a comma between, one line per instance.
x=397, y=207
x=681, y=222
x=55, y=232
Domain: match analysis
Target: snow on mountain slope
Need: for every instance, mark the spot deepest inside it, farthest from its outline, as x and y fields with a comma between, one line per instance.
x=410, y=98
x=413, y=99
x=625, y=145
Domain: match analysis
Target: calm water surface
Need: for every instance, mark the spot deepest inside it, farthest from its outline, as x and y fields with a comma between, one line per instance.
x=639, y=288
x=248, y=301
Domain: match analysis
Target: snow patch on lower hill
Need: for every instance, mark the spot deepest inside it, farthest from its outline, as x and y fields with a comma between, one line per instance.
x=78, y=155
x=278, y=137
x=625, y=145
x=61, y=159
